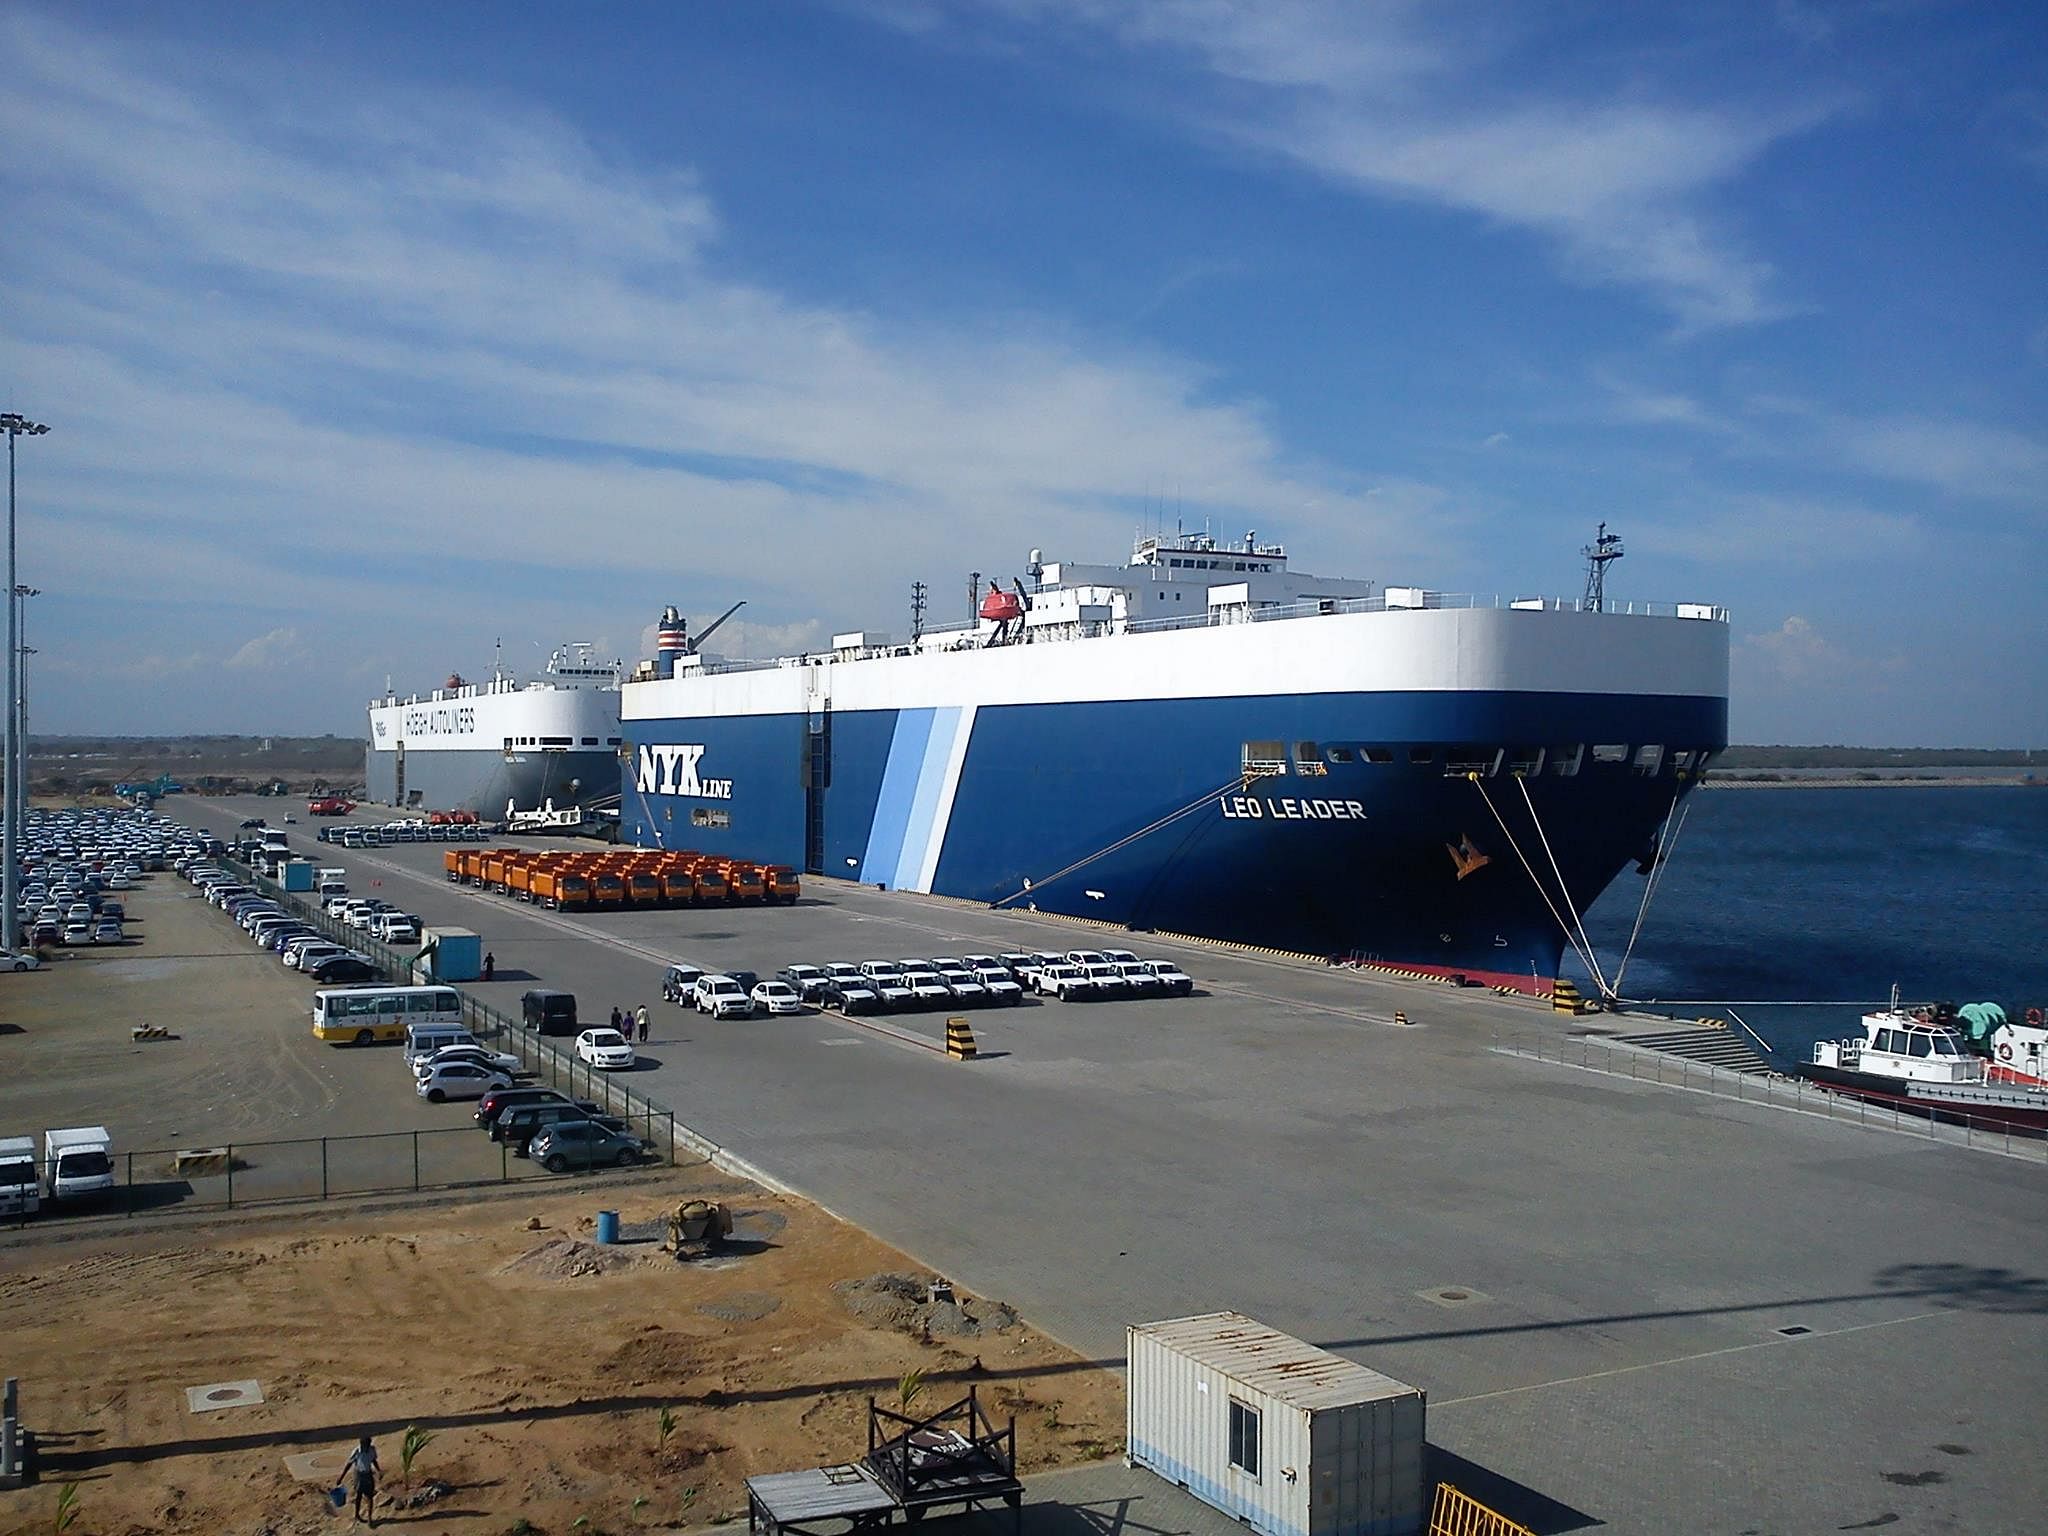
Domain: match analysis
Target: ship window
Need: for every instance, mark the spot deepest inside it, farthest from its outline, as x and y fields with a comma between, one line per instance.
x=1525, y=762
x=1943, y=1046
x=704, y=816
x=612, y=741
x=1421, y=757
x=1893, y=1040
x=1472, y=759
x=1605, y=753
x=1244, y=1438
x=558, y=741
x=1649, y=759
x=1264, y=757
x=590, y=741
x=1922, y=1046
x=1681, y=762
x=1379, y=754
x=1340, y=754
x=1564, y=761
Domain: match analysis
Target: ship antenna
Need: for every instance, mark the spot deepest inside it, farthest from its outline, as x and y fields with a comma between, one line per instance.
x=1605, y=548
x=917, y=606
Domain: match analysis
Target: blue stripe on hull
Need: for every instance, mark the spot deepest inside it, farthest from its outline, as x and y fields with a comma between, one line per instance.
x=1356, y=859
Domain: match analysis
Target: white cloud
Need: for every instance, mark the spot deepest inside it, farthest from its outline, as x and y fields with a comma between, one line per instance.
x=1763, y=530
x=303, y=345
x=278, y=648
x=1795, y=654
x=1959, y=457
x=1411, y=101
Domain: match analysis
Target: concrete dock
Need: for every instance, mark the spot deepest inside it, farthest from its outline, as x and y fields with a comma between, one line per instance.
x=1642, y=1308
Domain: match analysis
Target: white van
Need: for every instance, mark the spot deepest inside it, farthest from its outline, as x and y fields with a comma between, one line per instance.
x=422, y=1040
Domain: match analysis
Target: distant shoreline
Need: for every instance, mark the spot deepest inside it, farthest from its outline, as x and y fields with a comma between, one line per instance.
x=1901, y=781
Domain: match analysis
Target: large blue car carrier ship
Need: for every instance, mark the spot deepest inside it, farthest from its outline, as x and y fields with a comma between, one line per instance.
x=1205, y=742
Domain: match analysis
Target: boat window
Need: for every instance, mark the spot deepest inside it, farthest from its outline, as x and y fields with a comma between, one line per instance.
x=1681, y=762
x=1611, y=752
x=1945, y=1046
x=590, y=741
x=1379, y=754
x=1264, y=757
x=1470, y=758
x=1308, y=760
x=1922, y=1046
x=1340, y=754
x=1564, y=761
x=1421, y=757
x=1649, y=759
x=1525, y=762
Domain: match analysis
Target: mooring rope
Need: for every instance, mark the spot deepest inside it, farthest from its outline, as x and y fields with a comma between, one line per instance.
x=1569, y=937
x=1658, y=859
x=1124, y=842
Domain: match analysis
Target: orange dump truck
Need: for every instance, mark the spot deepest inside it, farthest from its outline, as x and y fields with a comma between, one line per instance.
x=748, y=884
x=643, y=887
x=565, y=890
x=712, y=886
x=678, y=885
x=607, y=888
x=451, y=864
x=783, y=884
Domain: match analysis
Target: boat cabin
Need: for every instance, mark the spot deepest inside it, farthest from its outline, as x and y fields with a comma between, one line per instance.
x=1904, y=1046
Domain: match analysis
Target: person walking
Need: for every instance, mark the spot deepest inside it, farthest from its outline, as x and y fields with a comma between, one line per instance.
x=615, y=1018
x=361, y=1468
x=490, y=964
x=640, y=1018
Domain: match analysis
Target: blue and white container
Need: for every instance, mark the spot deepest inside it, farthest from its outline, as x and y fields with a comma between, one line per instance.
x=1285, y=1437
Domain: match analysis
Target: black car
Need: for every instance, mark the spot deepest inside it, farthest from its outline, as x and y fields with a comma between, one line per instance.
x=494, y=1103
x=848, y=997
x=343, y=968
x=253, y=821
x=586, y=1144
x=517, y=1123
x=748, y=980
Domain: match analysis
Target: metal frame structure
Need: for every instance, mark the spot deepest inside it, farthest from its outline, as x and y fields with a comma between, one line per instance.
x=955, y=1456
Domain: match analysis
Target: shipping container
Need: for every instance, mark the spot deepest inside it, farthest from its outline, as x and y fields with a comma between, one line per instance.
x=1285, y=1437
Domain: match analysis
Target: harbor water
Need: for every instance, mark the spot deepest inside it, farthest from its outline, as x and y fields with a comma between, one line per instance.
x=1832, y=895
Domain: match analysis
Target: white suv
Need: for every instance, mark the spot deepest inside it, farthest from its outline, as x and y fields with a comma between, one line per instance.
x=723, y=998
x=1068, y=983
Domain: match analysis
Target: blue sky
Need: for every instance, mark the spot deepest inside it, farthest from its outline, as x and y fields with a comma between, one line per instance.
x=370, y=335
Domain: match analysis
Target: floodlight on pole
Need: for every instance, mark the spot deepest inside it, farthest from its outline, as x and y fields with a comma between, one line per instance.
x=15, y=425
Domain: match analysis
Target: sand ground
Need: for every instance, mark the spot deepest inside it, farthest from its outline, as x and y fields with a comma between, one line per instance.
x=540, y=1364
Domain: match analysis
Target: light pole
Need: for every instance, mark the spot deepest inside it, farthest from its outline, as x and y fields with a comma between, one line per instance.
x=14, y=424
x=17, y=773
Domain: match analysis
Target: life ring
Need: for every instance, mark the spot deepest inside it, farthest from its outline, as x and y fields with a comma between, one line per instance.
x=2005, y=1053
x=2034, y=1017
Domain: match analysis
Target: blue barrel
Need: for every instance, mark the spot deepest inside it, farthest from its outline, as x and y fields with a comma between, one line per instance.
x=607, y=1226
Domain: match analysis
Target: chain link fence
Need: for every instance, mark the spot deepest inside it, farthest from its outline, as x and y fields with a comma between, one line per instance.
x=1641, y=1064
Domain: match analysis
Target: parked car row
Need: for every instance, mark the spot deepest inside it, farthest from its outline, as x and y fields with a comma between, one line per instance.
x=73, y=867
x=395, y=832
x=379, y=919
x=904, y=986
x=297, y=944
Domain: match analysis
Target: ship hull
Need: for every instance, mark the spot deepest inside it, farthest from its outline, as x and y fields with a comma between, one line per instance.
x=487, y=782
x=1439, y=791
x=2022, y=1108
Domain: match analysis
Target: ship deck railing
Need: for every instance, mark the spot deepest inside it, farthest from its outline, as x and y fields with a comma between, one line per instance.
x=946, y=637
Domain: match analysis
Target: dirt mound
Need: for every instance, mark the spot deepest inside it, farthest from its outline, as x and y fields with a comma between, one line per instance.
x=569, y=1258
x=900, y=1302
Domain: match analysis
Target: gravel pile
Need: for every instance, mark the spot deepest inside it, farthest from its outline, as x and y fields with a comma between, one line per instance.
x=899, y=1301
